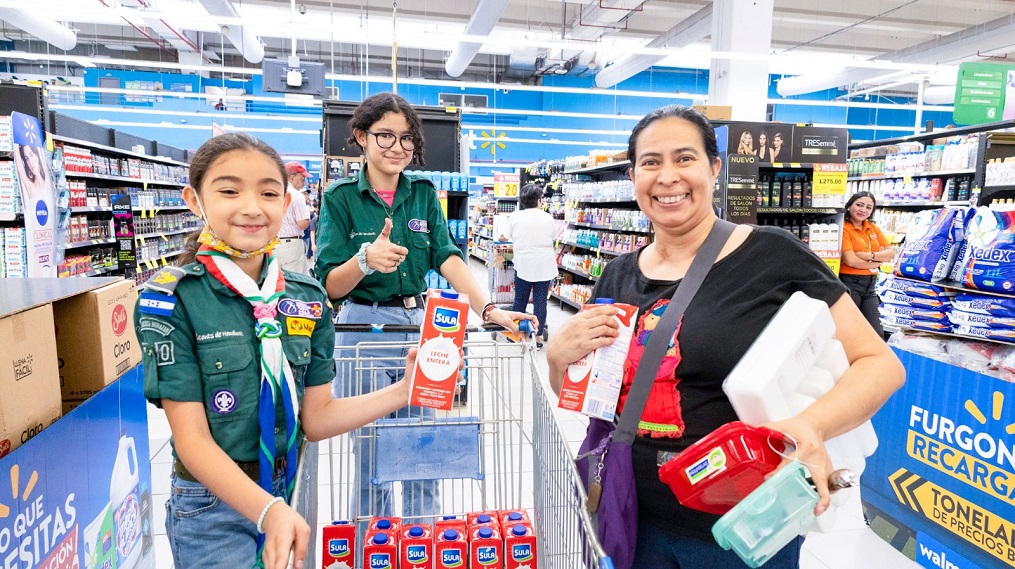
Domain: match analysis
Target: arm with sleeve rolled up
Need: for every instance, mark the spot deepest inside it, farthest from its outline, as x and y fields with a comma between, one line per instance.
x=284, y=529
x=874, y=374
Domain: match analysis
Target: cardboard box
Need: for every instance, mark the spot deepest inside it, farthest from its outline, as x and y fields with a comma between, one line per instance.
x=715, y=112
x=71, y=404
x=95, y=338
x=28, y=376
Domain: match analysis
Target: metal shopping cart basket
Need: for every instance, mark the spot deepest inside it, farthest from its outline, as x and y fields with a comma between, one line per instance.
x=502, y=450
x=502, y=272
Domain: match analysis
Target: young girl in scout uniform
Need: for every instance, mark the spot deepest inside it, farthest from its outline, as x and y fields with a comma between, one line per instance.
x=239, y=354
x=379, y=233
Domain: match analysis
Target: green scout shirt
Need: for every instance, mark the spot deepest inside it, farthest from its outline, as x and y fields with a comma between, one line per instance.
x=352, y=214
x=207, y=352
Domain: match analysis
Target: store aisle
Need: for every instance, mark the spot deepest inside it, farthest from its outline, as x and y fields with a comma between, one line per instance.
x=851, y=545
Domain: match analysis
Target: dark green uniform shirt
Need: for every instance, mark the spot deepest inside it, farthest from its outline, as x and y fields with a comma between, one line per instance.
x=206, y=351
x=352, y=214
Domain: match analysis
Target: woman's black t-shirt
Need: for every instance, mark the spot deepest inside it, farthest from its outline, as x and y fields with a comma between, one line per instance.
x=738, y=298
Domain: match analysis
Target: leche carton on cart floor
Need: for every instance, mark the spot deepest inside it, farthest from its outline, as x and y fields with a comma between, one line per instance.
x=592, y=384
x=439, y=357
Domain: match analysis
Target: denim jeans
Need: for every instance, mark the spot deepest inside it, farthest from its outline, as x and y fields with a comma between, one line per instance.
x=204, y=531
x=539, y=290
x=661, y=549
x=419, y=498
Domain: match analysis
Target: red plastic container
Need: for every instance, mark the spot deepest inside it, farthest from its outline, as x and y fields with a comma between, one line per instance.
x=720, y=470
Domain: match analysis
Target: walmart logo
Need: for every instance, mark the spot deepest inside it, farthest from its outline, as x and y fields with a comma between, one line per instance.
x=5, y=510
x=998, y=406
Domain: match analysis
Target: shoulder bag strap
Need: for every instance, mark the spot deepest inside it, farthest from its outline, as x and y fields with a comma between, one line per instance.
x=659, y=340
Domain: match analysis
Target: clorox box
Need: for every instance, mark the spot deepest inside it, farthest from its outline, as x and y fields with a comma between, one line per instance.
x=439, y=357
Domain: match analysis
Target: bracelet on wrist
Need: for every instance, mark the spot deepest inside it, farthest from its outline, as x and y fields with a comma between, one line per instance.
x=487, y=309
x=264, y=512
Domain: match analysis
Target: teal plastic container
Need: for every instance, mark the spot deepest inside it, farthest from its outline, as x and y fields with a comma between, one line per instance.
x=770, y=517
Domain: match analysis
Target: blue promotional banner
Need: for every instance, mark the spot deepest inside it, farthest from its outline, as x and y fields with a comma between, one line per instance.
x=38, y=195
x=78, y=495
x=941, y=487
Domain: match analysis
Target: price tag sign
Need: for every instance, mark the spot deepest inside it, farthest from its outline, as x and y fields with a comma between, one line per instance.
x=830, y=179
x=505, y=185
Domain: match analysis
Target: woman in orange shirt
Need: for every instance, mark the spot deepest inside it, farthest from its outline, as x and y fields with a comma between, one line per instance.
x=864, y=248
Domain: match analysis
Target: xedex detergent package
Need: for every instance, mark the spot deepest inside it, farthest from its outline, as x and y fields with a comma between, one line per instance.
x=990, y=261
x=983, y=304
x=931, y=245
x=924, y=290
x=893, y=297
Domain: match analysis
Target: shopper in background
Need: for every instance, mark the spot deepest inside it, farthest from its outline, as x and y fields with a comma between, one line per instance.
x=308, y=233
x=530, y=230
x=239, y=354
x=291, y=251
x=775, y=152
x=864, y=248
x=379, y=233
x=746, y=145
x=764, y=154
x=675, y=162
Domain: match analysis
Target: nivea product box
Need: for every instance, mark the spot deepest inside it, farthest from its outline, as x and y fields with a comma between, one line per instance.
x=592, y=384
x=339, y=545
x=416, y=547
x=439, y=357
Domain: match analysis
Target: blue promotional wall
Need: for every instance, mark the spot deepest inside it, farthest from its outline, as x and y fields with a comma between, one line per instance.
x=78, y=495
x=941, y=486
x=520, y=127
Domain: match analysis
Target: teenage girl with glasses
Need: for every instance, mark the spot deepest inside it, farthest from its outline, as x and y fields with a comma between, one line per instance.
x=380, y=231
x=864, y=248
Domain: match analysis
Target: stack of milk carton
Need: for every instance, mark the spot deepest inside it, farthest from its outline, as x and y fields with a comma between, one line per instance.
x=912, y=304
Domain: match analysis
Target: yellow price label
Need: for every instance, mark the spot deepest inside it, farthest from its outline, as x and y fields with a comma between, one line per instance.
x=164, y=238
x=830, y=179
x=164, y=262
x=141, y=240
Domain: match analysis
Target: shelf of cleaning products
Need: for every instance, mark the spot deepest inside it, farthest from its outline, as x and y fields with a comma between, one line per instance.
x=600, y=168
x=577, y=272
x=566, y=300
x=111, y=178
x=609, y=227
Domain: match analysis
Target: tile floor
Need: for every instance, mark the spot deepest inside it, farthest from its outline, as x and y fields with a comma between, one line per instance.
x=851, y=544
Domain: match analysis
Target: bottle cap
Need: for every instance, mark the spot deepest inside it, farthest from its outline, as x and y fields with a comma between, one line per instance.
x=483, y=518
x=449, y=294
x=485, y=532
x=340, y=523
x=384, y=524
x=604, y=301
x=416, y=531
x=380, y=538
x=450, y=534
x=519, y=530
x=450, y=518
x=515, y=516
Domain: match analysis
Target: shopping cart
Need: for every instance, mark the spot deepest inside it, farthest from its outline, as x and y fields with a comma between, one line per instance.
x=503, y=449
x=502, y=272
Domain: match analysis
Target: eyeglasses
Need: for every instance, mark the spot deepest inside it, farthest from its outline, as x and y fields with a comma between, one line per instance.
x=386, y=140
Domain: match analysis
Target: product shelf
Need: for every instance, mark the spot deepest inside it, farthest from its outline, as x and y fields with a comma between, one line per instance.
x=599, y=168
x=158, y=234
x=155, y=260
x=608, y=227
x=90, y=243
x=96, y=272
x=577, y=272
x=111, y=178
x=919, y=203
x=593, y=249
x=117, y=151
x=566, y=300
x=940, y=173
x=811, y=210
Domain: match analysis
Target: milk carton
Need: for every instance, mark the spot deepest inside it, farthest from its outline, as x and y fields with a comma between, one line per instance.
x=509, y=518
x=486, y=549
x=384, y=525
x=416, y=548
x=339, y=545
x=450, y=522
x=592, y=384
x=520, y=547
x=479, y=519
x=380, y=552
x=451, y=550
x=439, y=357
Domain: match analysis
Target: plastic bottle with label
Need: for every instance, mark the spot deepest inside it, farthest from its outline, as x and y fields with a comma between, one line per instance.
x=123, y=496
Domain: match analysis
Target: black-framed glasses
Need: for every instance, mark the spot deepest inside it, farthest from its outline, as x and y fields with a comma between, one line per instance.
x=386, y=140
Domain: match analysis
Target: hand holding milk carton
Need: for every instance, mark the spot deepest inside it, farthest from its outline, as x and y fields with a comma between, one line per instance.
x=592, y=384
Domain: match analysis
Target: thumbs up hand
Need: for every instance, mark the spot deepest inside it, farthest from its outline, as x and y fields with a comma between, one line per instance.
x=384, y=256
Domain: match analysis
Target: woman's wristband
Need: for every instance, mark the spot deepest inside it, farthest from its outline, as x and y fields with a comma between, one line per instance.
x=264, y=512
x=487, y=309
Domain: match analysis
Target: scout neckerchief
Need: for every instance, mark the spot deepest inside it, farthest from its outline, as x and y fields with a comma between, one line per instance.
x=213, y=241
x=276, y=375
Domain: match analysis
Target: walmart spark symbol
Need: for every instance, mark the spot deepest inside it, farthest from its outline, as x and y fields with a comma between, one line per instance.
x=492, y=143
x=32, y=480
x=995, y=412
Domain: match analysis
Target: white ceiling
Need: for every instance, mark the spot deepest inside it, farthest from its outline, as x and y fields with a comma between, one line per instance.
x=535, y=36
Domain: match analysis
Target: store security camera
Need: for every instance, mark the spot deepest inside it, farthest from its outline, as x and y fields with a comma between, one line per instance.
x=303, y=9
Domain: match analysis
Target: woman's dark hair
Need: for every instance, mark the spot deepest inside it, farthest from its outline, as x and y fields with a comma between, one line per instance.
x=858, y=195
x=206, y=155
x=38, y=156
x=681, y=112
x=373, y=109
x=530, y=196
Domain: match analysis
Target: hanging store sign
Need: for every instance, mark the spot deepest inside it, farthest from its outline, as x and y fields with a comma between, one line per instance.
x=984, y=92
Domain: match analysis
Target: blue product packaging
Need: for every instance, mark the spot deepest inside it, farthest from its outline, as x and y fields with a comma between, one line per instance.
x=894, y=297
x=931, y=245
x=991, y=259
x=926, y=290
x=962, y=318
